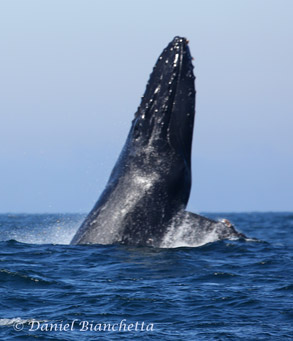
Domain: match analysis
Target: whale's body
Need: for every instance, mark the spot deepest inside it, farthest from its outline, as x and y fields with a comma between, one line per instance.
x=147, y=192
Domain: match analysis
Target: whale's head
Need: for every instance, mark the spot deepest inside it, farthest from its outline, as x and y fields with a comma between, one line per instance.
x=159, y=142
x=156, y=159
x=164, y=120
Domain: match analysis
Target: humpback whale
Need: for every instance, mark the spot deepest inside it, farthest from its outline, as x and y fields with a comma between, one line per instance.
x=146, y=195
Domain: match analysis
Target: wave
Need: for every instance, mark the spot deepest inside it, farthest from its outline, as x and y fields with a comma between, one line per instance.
x=7, y=322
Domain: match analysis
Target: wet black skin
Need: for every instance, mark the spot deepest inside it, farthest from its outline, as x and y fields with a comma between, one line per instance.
x=151, y=181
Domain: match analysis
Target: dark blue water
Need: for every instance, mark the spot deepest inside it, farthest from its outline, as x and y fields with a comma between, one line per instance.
x=227, y=290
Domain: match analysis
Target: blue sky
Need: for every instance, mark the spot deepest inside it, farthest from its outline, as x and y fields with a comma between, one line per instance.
x=72, y=74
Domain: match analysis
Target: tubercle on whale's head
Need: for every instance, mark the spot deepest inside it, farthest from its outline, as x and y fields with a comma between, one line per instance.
x=167, y=108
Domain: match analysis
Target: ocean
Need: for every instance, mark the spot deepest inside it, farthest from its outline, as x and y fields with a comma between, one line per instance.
x=223, y=290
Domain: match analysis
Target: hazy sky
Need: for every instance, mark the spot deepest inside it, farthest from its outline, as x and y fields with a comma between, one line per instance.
x=72, y=74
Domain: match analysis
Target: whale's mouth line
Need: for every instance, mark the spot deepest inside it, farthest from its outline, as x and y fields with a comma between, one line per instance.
x=173, y=91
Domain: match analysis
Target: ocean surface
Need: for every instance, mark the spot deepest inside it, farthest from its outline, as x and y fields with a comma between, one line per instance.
x=223, y=290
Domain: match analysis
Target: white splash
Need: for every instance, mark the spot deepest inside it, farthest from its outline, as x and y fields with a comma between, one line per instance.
x=183, y=237
x=60, y=232
x=16, y=320
x=189, y=234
